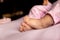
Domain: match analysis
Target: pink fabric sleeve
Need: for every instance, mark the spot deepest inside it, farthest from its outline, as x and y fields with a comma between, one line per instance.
x=39, y=11
x=55, y=13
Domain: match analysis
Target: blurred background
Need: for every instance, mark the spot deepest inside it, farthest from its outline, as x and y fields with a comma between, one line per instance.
x=15, y=9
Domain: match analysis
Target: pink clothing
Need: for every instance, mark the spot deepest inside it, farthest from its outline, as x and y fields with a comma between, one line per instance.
x=55, y=12
x=39, y=11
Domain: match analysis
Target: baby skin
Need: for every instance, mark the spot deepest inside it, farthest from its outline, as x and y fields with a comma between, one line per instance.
x=30, y=23
x=37, y=18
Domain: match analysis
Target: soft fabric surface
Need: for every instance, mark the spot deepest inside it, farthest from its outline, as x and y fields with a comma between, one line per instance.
x=10, y=31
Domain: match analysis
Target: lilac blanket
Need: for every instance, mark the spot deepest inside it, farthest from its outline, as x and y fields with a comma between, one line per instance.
x=10, y=31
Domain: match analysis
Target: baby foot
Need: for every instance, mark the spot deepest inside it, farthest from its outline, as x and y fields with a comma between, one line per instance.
x=34, y=23
x=44, y=22
x=24, y=27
